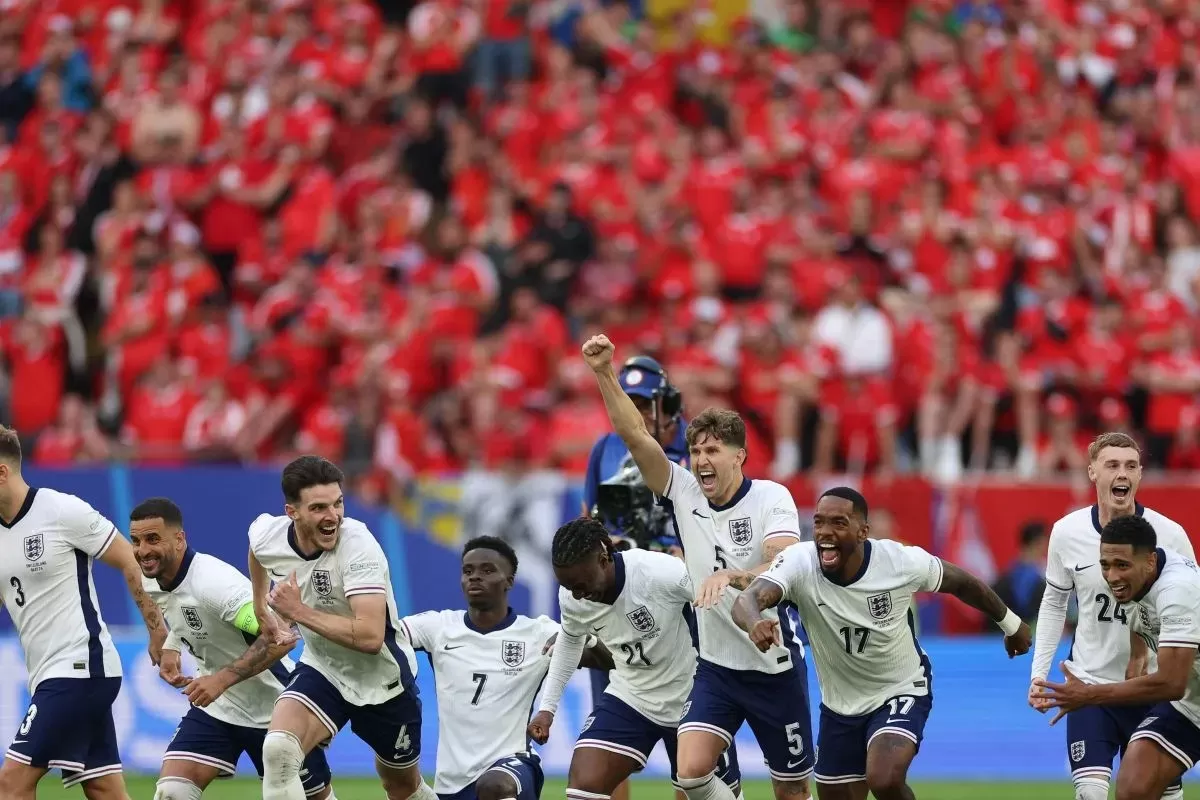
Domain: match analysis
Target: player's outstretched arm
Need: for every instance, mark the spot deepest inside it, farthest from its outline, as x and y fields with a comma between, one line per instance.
x=260, y=655
x=966, y=587
x=568, y=652
x=625, y=418
x=363, y=632
x=1168, y=682
x=119, y=555
x=761, y=594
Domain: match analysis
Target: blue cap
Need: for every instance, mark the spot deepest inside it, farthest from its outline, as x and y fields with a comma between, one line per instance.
x=638, y=382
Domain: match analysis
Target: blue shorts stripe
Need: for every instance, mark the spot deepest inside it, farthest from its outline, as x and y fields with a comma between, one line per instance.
x=91, y=619
x=407, y=679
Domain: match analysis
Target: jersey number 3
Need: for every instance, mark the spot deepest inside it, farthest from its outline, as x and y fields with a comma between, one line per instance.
x=1105, y=602
x=19, y=598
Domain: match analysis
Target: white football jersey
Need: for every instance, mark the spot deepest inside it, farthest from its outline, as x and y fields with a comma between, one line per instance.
x=1100, y=651
x=1170, y=617
x=327, y=581
x=46, y=583
x=862, y=634
x=486, y=684
x=645, y=630
x=732, y=536
x=200, y=606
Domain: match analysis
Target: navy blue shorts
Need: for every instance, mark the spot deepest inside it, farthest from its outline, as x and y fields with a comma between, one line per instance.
x=599, y=679
x=69, y=726
x=391, y=729
x=775, y=707
x=1097, y=734
x=617, y=727
x=842, y=741
x=1177, y=735
x=524, y=768
x=204, y=739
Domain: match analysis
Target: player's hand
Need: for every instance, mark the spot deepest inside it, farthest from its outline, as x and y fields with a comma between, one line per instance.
x=170, y=669
x=1037, y=698
x=1019, y=643
x=203, y=690
x=284, y=600
x=274, y=629
x=158, y=638
x=598, y=352
x=1067, y=696
x=539, y=726
x=765, y=634
x=712, y=588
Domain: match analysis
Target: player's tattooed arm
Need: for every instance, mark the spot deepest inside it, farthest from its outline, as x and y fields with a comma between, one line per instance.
x=740, y=579
x=362, y=631
x=966, y=587
x=259, y=656
x=119, y=555
x=747, y=613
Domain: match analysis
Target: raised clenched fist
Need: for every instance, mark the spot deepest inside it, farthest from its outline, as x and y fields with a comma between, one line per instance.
x=598, y=352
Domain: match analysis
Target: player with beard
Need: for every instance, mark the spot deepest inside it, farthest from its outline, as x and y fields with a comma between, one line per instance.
x=332, y=580
x=488, y=666
x=1161, y=591
x=729, y=527
x=855, y=596
x=210, y=611
x=1101, y=652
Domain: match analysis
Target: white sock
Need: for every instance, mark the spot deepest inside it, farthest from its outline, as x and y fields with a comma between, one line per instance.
x=176, y=789
x=1175, y=793
x=707, y=788
x=1091, y=789
x=282, y=759
x=579, y=794
x=423, y=792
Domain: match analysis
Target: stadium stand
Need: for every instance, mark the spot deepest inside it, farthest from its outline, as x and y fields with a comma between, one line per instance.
x=896, y=234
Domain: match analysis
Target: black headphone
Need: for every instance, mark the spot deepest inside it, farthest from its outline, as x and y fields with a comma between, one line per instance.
x=667, y=394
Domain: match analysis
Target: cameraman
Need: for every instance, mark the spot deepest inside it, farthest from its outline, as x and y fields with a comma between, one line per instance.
x=648, y=527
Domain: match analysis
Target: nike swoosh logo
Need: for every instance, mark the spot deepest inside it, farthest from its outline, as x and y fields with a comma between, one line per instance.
x=448, y=647
x=275, y=574
x=20, y=741
x=890, y=720
x=822, y=605
x=701, y=516
x=794, y=764
x=598, y=628
x=1081, y=569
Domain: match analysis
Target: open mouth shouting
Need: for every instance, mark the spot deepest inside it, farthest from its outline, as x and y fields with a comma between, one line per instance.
x=1121, y=492
x=327, y=532
x=1121, y=591
x=829, y=555
x=708, y=478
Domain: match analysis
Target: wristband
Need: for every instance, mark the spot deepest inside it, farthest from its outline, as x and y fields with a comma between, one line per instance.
x=1011, y=623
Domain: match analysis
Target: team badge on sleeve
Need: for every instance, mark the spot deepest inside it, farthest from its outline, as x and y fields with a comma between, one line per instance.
x=512, y=653
x=192, y=617
x=321, y=582
x=34, y=547
x=880, y=605
x=740, y=531
x=641, y=619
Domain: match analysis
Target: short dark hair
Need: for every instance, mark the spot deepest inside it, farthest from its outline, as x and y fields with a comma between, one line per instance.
x=493, y=543
x=305, y=472
x=858, y=503
x=1031, y=531
x=158, y=508
x=726, y=426
x=1112, y=439
x=1131, y=530
x=10, y=445
x=578, y=539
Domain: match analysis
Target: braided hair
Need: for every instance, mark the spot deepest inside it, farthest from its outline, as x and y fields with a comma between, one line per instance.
x=578, y=539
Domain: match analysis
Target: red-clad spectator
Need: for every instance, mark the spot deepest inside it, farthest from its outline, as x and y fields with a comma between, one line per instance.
x=36, y=357
x=1173, y=377
x=157, y=414
x=73, y=438
x=214, y=423
x=858, y=426
x=1064, y=447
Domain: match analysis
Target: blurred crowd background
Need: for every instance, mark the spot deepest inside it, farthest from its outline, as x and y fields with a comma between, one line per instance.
x=898, y=235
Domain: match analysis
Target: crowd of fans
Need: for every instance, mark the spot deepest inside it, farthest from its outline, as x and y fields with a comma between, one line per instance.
x=896, y=234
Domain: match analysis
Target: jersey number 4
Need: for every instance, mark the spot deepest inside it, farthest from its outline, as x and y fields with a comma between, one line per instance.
x=1106, y=603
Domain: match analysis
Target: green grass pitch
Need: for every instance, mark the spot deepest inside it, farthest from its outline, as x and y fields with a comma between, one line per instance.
x=142, y=788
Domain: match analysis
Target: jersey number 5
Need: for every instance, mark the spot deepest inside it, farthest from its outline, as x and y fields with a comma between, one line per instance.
x=720, y=558
x=1105, y=602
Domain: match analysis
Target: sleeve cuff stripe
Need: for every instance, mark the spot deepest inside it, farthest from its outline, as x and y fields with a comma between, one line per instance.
x=775, y=534
x=107, y=543
x=1056, y=586
x=1178, y=643
x=366, y=590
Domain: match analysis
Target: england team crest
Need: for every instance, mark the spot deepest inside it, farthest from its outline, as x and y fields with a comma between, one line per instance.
x=192, y=617
x=322, y=582
x=35, y=545
x=880, y=605
x=1078, y=751
x=512, y=653
x=740, y=531
x=641, y=619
